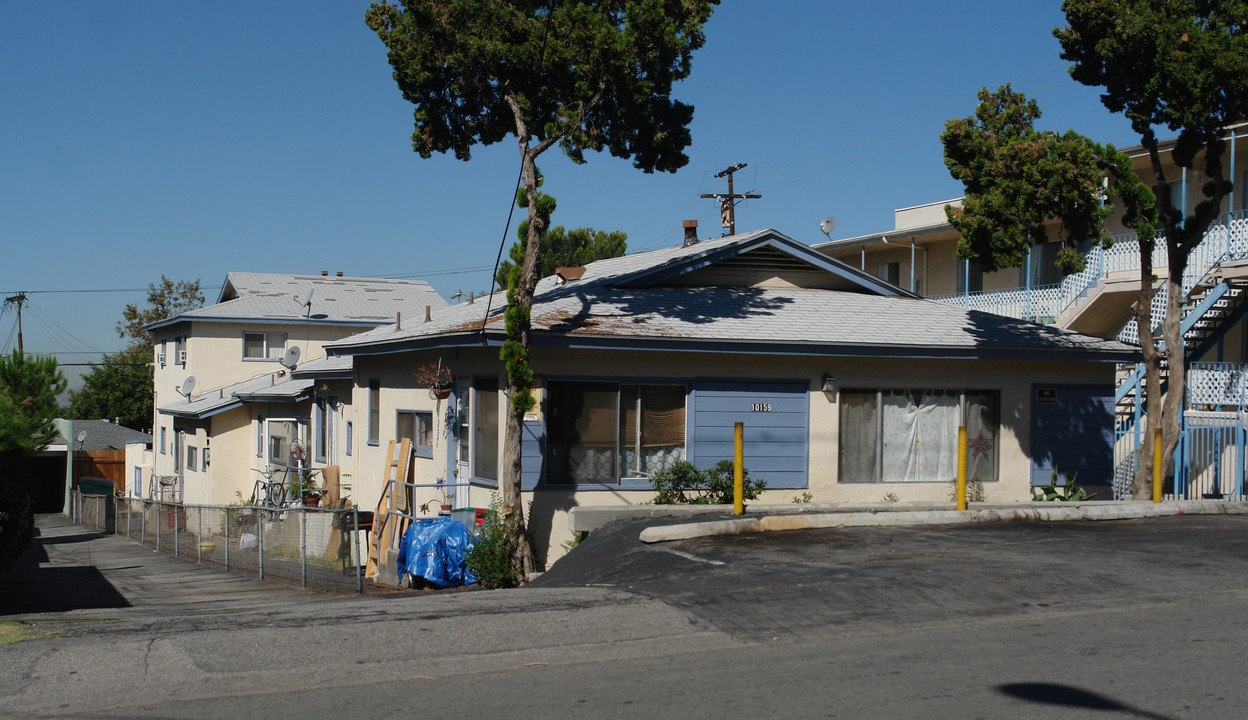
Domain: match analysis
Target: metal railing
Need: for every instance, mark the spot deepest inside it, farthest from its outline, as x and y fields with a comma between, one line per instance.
x=314, y=547
x=1226, y=240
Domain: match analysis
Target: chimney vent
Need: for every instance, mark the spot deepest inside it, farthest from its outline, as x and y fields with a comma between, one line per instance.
x=691, y=232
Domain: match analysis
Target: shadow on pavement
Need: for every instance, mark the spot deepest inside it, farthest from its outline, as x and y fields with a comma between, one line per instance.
x=32, y=586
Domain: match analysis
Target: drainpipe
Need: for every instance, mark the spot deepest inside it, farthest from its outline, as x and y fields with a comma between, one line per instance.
x=1231, y=199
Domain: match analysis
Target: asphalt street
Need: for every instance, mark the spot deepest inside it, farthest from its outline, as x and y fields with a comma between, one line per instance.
x=1135, y=618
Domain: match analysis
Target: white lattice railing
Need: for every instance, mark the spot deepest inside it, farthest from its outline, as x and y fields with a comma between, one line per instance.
x=1228, y=240
x=1217, y=384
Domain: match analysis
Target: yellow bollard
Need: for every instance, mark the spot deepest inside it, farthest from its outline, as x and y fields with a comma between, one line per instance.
x=1157, y=465
x=738, y=459
x=961, y=467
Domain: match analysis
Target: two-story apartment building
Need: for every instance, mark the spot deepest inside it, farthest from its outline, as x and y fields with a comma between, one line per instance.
x=920, y=253
x=231, y=398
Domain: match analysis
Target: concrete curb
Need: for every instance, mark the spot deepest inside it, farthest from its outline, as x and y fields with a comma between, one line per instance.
x=1023, y=513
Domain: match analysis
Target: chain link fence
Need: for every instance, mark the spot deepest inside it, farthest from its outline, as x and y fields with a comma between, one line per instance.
x=315, y=547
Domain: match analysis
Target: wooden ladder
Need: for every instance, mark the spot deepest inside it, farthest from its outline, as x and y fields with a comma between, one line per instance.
x=385, y=535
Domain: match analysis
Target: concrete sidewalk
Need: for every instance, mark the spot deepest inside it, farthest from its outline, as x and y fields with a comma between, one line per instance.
x=708, y=520
x=74, y=569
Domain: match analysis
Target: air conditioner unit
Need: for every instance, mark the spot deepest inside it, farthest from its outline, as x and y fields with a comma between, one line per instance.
x=181, y=357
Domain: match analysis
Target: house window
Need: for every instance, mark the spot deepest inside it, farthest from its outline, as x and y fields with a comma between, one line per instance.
x=465, y=430
x=162, y=442
x=374, y=412
x=263, y=346
x=605, y=431
x=893, y=436
x=1043, y=262
x=179, y=350
x=889, y=272
x=350, y=436
x=417, y=426
x=485, y=429
x=192, y=457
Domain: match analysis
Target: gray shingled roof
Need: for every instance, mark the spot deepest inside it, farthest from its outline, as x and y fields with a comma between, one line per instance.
x=270, y=387
x=603, y=309
x=101, y=435
x=335, y=300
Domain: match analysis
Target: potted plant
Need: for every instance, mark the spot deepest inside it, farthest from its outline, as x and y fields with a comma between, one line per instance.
x=448, y=496
x=304, y=488
x=440, y=380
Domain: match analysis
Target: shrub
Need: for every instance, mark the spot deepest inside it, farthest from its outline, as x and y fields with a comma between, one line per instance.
x=1070, y=492
x=490, y=558
x=17, y=525
x=684, y=484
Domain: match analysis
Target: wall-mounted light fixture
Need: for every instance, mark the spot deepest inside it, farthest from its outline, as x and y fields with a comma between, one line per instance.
x=829, y=387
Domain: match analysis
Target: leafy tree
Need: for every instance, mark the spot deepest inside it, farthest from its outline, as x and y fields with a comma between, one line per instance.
x=29, y=385
x=1181, y=65
x=583, y=76
x=163, y=301
x=561, y=248
x=1018, y=178
x=119, y=388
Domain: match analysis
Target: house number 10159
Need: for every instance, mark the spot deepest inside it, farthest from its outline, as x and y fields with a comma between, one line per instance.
x=762, y=407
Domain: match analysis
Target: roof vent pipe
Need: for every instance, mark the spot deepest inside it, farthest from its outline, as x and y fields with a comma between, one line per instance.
x=428, y=316
x=324, y=273
x=691, y=232
x=398, y=321
x=339, y=273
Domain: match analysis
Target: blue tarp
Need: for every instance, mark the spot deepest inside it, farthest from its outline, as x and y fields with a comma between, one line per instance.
x=437, y=550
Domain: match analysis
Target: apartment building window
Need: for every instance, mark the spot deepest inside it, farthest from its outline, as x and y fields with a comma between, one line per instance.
x=324, y=424
x=417, y=426
x=374, y=412
x=889, y=272
x=192, y=457
x=350, y=436
x=263, y=346
x=179, y=350
x=911, y=435
x=162, y=441
x=160, y=354
x=970, y=276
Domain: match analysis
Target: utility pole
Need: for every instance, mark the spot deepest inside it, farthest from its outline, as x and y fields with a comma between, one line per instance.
x=727, y=202
x=17, y=300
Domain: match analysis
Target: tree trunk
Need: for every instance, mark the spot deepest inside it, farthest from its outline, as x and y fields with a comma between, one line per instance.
x=513, y=508
x=1141, y=484
x=1176, y=355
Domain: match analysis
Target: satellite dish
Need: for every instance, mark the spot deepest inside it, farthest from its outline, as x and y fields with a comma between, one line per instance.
x=307, y=297
x=827, y=226
x=82, y=437
x=187, y=386
x=291, y=358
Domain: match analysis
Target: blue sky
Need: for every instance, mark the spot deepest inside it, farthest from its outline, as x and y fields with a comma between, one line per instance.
x=192, y=139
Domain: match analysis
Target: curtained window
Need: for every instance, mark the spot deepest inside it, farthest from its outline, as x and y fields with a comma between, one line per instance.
x=895, y=436
x=605, y=431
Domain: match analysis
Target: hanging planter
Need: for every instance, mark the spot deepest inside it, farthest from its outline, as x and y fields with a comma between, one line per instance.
x=440, y=380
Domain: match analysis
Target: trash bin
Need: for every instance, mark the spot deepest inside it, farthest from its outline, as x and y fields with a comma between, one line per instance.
x=471, y=518
x=95, y=486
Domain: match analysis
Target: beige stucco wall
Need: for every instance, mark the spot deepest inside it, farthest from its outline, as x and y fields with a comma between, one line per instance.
x=1013, y=379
